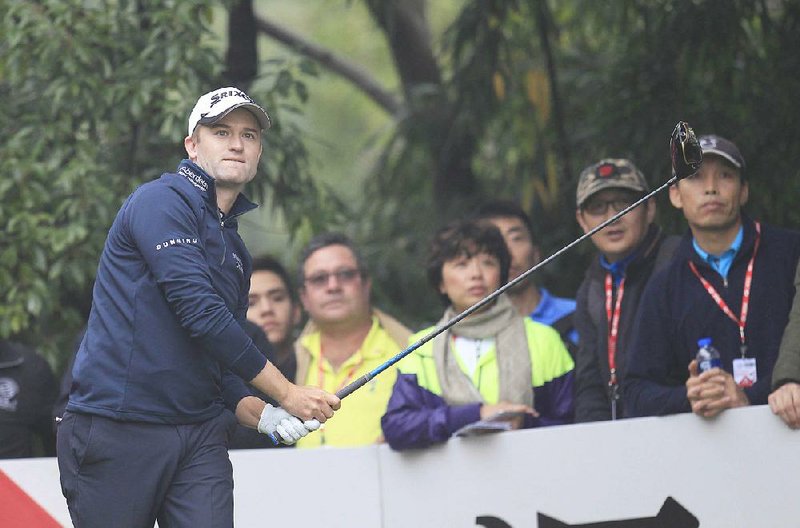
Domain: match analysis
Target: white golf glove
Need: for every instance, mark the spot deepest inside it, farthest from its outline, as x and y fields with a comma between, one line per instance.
x=283, y=427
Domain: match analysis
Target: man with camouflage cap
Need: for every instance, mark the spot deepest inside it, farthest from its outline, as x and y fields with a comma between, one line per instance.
x=629, y=250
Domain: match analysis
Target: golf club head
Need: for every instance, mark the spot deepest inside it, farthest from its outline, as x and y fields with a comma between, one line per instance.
x=687, y=155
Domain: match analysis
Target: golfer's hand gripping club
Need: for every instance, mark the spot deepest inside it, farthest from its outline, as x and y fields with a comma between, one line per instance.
x=282, y=427
x=686, y=155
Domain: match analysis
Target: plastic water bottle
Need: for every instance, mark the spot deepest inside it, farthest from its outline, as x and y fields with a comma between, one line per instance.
x=707, y=356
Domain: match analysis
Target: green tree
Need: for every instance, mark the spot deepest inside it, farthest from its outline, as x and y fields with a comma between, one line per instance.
x=95, y=98
x=524, y=93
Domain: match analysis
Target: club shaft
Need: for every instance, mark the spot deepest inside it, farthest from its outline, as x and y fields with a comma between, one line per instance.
x=363, y=380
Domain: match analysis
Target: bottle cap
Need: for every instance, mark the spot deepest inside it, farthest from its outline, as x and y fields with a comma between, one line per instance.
x=704, y=342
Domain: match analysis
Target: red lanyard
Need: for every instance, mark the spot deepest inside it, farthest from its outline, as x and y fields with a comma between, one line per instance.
x=748, y=280
x=321, y=371
x=613, y=324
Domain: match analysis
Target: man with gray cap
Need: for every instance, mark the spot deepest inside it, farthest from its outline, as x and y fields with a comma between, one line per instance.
x=161, y=370
x=629, y=250
x=731, y=280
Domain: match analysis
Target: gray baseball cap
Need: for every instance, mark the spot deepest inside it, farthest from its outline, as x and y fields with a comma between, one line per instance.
x=713, y=144
x=610, y=173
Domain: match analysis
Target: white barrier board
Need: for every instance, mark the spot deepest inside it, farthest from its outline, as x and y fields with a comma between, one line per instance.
x=742, y=469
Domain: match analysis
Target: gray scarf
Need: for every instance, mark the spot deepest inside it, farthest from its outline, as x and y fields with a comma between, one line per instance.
x=502, y=322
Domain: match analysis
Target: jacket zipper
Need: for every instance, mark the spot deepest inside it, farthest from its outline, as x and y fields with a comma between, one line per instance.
x=222, y=234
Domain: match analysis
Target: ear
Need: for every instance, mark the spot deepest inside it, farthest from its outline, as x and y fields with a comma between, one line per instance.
x=537, y=254
x=581, y=221
x=191, y=147
x=296, y=314
x=675, y=196
x=303, y=297
x=744, y=193
x=651, y=210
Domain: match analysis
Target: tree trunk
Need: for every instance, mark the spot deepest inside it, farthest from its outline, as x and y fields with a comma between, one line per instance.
x=241, y=59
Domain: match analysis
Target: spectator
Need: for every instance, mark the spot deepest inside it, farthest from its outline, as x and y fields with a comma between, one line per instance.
x=27, y=392
x=529, y=298
x=628, y=252
x=785, y=400
x=731, y=280
x=344, y=339
x=273, y=306
x=272, y=316
x=495, y=360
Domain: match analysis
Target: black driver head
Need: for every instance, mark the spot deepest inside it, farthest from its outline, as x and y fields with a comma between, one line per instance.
x=687, y=155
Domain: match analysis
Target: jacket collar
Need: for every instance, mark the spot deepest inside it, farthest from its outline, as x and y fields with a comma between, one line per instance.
x=397, y=332
x=644, y=252
x=204, y=185
x=686, y=249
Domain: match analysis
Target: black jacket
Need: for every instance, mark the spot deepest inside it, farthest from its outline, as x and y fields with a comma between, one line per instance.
x=676, y=311
x=27, y=392
x=592, y=400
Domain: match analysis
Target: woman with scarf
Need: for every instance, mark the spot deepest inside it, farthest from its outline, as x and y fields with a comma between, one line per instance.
x=494, y=361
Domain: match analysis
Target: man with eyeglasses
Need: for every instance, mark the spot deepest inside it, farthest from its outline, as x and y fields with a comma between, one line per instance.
x=345, y=338
x=629, y=251
x=731, y=280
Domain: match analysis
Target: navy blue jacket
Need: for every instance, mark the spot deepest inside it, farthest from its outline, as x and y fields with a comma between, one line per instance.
x=164, y=333
x=676, y=311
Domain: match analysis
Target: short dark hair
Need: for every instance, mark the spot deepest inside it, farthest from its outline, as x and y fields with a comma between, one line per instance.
x=504, y=209
x=465, y=237
x=322, y=241
x=271, y=264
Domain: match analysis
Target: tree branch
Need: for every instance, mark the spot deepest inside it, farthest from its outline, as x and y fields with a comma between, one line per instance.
x=329, y=60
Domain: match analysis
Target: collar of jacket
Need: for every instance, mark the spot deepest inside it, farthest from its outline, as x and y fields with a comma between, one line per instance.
x=644, y=252
x=393, y=327
x=686, y=249
x=10, y=355
x=204, y=184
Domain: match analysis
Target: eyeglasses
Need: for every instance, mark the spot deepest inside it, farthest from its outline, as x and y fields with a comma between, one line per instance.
x=343, y=276
x=600, y=207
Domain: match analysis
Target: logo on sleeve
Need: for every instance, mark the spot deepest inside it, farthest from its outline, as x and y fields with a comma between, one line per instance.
x=9, y=390
x=238, y=261
x=175, y=242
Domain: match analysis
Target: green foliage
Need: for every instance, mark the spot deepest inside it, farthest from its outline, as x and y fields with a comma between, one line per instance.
x=627, y=72
x=637, y=68
x=96, y=95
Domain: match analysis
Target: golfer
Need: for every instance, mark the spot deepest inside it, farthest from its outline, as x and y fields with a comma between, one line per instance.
x=164, y=363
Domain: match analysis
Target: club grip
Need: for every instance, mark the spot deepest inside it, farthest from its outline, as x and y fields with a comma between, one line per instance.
x=354, y=386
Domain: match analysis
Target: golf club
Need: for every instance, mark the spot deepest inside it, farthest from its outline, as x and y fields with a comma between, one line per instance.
x=686, y=155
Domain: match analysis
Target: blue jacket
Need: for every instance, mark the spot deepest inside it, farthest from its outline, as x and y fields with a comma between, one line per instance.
x=164, y=331
x=676, y=311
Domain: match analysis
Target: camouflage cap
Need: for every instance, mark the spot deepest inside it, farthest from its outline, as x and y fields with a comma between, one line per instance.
x=610, y=173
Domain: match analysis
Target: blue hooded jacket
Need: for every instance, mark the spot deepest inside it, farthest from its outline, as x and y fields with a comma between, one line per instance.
x=164, y=342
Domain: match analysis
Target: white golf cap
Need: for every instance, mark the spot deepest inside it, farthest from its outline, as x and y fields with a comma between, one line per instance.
x=217, y=104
